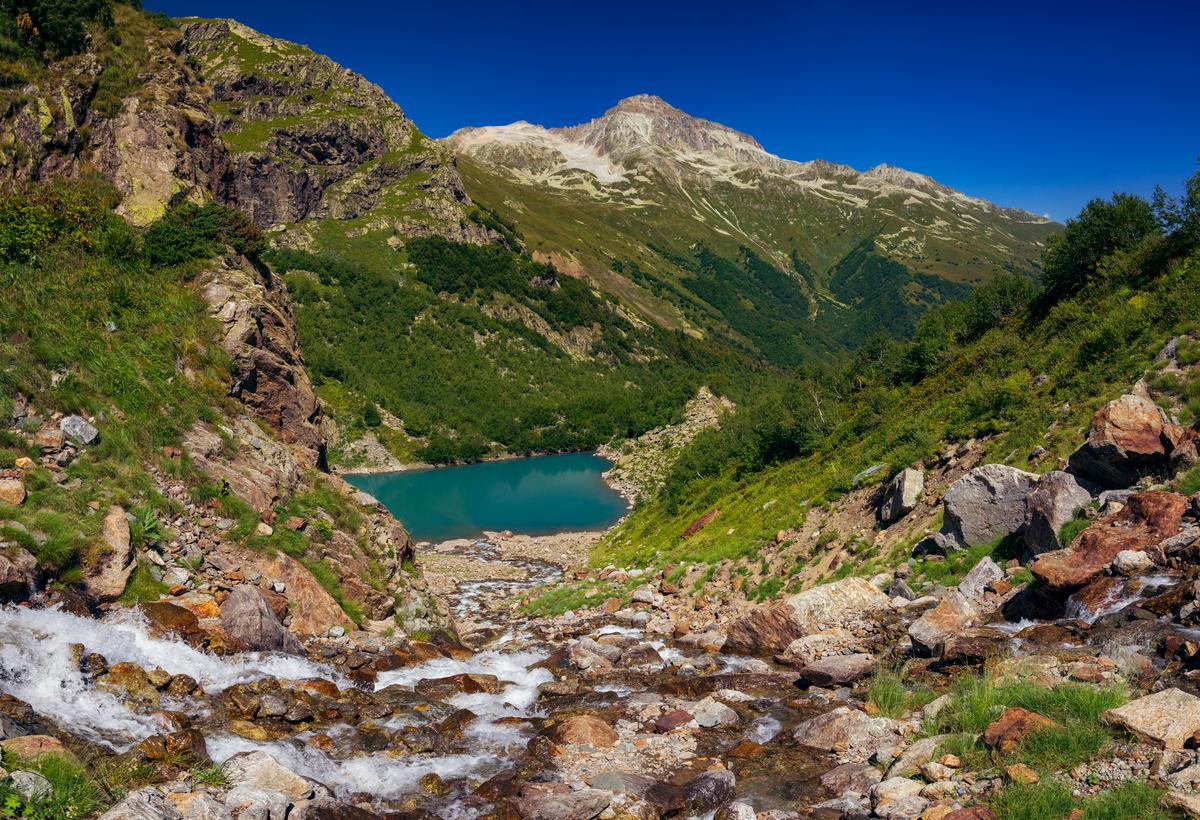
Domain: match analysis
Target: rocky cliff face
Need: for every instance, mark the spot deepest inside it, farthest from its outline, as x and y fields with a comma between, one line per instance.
x=215, y=110
x=309, y=141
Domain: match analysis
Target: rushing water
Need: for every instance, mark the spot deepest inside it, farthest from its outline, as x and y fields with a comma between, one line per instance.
x=535, y=496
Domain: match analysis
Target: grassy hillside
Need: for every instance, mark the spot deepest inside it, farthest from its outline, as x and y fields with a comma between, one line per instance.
x=1016, y=367
x=475, y=349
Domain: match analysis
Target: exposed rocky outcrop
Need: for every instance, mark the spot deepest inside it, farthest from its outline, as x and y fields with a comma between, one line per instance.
x=901, y=495
x=105, y=575
x=771, y=628
x=259, y=332
x=247, y=618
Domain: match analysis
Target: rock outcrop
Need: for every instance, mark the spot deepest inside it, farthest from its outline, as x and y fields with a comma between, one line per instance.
x=259, y=332
x=1148, y=519
x=106, y=573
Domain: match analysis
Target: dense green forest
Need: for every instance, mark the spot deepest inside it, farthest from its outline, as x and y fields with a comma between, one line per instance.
x=1008, y=364
x=473, y=346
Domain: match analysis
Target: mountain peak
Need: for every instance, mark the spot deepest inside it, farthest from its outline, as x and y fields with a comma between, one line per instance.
x=645, y=104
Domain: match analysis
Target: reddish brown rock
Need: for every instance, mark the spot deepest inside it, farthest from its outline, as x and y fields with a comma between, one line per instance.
x=951, y=616
x=1126, y=439
x=451, y=685
x=580, y=730
x=672, y=720
x=12, y=491
x=1016, y=724
x=769, y=629
x=971, y=813
x=186, y=743
x=1146, y=519
x=166, y=618
x=700, y=523
x=35, y=747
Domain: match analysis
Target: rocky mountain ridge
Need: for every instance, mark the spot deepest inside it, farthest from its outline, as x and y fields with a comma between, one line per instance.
x=215, y=110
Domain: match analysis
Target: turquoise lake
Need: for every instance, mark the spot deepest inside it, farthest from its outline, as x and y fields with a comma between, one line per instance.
x=535, y=496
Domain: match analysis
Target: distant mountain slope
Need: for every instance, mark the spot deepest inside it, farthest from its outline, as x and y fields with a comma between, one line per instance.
x=646, y=198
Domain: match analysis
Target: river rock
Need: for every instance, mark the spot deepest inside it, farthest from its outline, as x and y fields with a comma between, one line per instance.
x=735, y=811
x=257, y=803
x=578, y=805
x=105, y=576
x=248, y=618
x=261, y=770
x=851, y=777
x=987, y=503
x=451, y=685
x=166, y=618
x=918, y=753
x=79, y=429
x=1049, y=506
x=582, y=730
x=19, y=573
x=30, y=785
x=837, y=670
x=1168, y=718
x=846, y=731
x=974, y=583
x=901, y=495
x=144, y=804
x=199, y=806
x=1146, y=520
x=711, y=712
x=1125, y=441
x=771, y=628
x=706, y=791
x=1131, y=563
x=953, y=614
x=327, y=808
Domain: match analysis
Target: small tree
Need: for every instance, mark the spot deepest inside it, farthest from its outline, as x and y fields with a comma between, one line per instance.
x=371, y=415
x=1103, y=227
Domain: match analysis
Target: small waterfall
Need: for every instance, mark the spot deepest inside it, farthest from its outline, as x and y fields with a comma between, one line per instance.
x=39, y=665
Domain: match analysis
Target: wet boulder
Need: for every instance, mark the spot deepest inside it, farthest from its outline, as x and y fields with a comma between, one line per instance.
x=987, y=503
x=1049, y=506
x=327, y=808
x=168, y=619
x=247, y=617
x=19, y=573
x=901, y=495
x=1145, y=521
x=105, y=576
x=451, y=685
x=1127, y=438
x=771, y=628
x=583, y=804
x=707, y=791
x=851, y=777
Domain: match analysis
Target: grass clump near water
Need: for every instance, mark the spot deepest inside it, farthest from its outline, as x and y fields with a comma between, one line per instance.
x=889, y=696
x=74, y=794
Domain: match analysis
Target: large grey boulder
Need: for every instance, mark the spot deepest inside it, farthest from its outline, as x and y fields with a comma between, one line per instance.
x=247, y=617
x=1168, y=718
x=78, y=428
x=901, y=495
x=1050, y=504
x=987, y=503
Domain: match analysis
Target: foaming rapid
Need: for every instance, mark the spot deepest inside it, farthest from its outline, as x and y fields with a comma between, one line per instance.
x=39, y=665
x=385, y=777
x=512, y=668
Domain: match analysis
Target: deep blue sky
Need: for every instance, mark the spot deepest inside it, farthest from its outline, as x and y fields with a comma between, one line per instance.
x=1039, y=105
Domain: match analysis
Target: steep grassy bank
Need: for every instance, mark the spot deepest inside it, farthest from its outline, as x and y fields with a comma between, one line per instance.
x=1020, y=369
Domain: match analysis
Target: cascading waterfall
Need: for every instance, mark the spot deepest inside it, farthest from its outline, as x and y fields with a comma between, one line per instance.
x=39, y=663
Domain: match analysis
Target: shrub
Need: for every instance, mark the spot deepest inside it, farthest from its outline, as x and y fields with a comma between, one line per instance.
x=192, y=231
